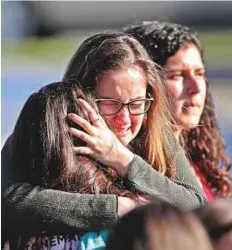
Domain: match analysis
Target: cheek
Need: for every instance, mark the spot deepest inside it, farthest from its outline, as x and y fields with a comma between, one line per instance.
x=109, y=121
x=204, y=89
x=137, y=121
x=175, y=93
x=203, y=94
x=174, y=89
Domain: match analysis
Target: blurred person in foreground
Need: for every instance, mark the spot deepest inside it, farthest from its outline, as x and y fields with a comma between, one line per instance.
x=179, y=53
x=217, y=219
x=158, y=226
x=142, y=150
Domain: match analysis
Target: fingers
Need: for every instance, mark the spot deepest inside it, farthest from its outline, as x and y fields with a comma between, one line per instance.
x=92, y=114
x=82, y=123
x=81, y=135
x=94, y=134
x=83, y=150
x=102, y=121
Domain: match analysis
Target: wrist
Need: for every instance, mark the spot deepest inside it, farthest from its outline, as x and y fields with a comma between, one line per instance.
x=125, y=159
x=125, y=205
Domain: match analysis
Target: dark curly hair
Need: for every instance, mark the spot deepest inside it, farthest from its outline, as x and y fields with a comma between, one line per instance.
x=204, y=144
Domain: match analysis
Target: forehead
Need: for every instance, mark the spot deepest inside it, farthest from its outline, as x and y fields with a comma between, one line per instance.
x=122, y=83
x=187, y=56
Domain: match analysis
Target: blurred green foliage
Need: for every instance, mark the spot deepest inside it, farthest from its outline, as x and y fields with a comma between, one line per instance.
x=218, y=48
x=52, y=50
x=58, y=50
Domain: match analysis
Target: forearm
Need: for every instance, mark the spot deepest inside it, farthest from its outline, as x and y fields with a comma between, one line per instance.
x=184, y=192
x=57, y=211
x=31, y=206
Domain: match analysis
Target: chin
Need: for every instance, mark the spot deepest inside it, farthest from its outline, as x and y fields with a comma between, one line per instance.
x=190, y=125
x=125, y=140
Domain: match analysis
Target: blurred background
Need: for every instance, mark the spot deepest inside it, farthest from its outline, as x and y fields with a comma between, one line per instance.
x=39, y=37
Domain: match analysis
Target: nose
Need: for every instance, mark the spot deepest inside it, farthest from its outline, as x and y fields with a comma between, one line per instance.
x=193, y=84
x=123, y=116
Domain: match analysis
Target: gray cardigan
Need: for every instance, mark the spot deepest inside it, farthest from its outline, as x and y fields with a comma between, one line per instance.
x=33, y=206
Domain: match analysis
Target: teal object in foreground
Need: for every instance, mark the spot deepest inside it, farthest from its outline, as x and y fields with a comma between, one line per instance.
x=94, y=240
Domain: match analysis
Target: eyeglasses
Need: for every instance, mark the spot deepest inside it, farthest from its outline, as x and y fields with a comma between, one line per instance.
x=112, y=106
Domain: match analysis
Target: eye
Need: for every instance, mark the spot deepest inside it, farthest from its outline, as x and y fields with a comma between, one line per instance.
x=137, y=103
x=109, y=103
x=200, y=73
x=175, y=75
x=108, y=107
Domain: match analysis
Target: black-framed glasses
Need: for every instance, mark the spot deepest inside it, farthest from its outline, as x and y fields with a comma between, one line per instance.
x=113, y=106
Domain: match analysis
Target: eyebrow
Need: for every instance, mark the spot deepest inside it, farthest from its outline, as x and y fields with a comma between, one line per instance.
x=139, y=97
x=179, y=68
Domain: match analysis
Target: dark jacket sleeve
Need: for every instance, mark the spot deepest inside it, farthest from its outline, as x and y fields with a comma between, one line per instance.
x=32, y=206
x=184, y=191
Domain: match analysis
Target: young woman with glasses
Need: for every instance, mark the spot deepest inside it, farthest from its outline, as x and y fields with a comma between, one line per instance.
x=130, y=134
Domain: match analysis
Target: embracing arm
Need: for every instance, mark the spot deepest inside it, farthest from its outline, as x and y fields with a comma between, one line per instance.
x=184, y=192
x=105, y=147
x=33, y=206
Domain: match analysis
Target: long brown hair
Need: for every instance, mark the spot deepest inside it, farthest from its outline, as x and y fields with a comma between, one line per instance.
x=109, y=51
x=204, y=145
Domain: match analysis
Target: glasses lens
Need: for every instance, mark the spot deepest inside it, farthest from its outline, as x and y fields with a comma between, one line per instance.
x=108, y=107
x=138, y=107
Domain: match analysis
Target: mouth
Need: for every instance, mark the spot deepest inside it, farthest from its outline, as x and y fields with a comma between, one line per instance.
x=192, y=105
x=122, y=131
x=191, y=108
